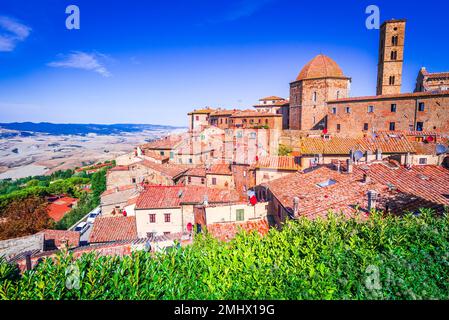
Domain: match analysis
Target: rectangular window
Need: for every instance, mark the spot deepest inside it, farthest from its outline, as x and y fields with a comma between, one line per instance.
x=202, y=181
x=421, y=106
x=162, y=153
x=240, y=214
x=133, y=180
x=392, y=80
x=338, y=127
x=348, y=109
x=370, y=109
x=214, y=181
x=189, y=180
x=166, y=233
x=172, y=155
x=334, y=110
x=422, y=161
x=393, y=107
x=365, y=126
x=190, y=160
x=152, y=218
x=419, y=126
x=392, y=126
x=167, y=217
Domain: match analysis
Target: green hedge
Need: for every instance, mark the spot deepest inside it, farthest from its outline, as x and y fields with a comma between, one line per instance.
x=382, y=258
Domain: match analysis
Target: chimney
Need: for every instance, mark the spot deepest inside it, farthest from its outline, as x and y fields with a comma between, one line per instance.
x=28, y=262
x=366, y=178
x=379, y=155
x=368, y=155
x=295, y=206
x=408, y=159
x=372, y=200
x=349, y=165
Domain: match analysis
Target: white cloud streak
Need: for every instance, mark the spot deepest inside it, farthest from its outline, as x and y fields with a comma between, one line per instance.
x=11, y=33
x=83, y=61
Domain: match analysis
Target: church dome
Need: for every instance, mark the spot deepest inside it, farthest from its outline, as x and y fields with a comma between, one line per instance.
x=320, y=67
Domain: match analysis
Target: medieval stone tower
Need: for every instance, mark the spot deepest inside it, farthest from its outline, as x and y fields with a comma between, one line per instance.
x=391, y=57
x=320, y=80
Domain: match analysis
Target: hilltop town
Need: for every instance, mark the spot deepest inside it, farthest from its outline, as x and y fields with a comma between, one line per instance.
x=318, y=151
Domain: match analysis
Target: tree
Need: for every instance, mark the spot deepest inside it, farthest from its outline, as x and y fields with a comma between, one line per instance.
x=284, y=150
x=25, y=217
x=98, y=183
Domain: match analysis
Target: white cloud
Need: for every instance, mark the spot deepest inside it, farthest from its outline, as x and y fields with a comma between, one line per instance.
x=84, y=61
x=11, y=33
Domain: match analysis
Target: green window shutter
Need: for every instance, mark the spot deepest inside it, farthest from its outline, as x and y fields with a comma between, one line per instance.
x=240, y=214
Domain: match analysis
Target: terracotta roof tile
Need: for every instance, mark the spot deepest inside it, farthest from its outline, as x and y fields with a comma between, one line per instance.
x=399, y=188
x=386, y=142
x=168, y=169
x=228, y=231
x=55, y=239
x=254, y=114
x=320, y=67
x=154, y=197
x=220, y=169
x=270, y=98
x=281, y=162
x=59, y=208
x=109, y=229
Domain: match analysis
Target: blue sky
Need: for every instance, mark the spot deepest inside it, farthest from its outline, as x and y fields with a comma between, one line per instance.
x=140, y=61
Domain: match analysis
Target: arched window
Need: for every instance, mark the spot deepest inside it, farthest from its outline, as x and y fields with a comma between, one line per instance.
x=394, y=40
x=392, y=80
x=394, y=55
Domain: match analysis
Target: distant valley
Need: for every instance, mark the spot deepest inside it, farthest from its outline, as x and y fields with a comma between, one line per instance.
x=42, y=148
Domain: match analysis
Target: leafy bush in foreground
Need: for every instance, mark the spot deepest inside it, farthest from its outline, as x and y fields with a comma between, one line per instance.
x=382, y=258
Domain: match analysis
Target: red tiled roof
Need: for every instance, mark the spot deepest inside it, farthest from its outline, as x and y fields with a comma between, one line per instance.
x=228, y=231
x=120, y=168
x=109, y=229
x=166, y=143
x=254, y=114
x=220, y=169
x=391, y=96
x=55, y=239
x=223, y=112
x=174, y=196
x=118, y=189
x=320, y=67
x=201, y=111
x=281, y=162
x=423, y=186
x=271, y=98
x=438, y=75
x=59, y=208
x=168, y=169
x=195, y=172
x=386, y=142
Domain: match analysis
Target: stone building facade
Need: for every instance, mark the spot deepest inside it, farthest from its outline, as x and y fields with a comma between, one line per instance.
x=431, y=82
x=422, y=111
x=391, y=57
x=319, y=81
